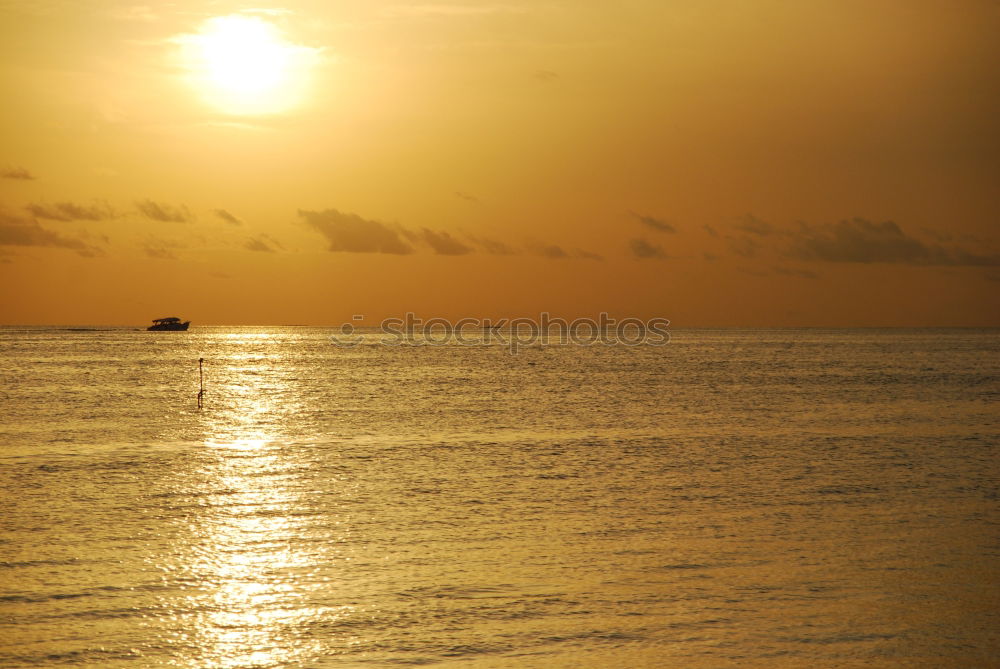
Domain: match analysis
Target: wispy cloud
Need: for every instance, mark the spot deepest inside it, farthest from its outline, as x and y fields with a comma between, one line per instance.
x=550, y=251
x=644, y=250
x=587, y=255
x=744, y=246
x=792, y=271
x=227, y=217
x=493, y=246
x=557, y=252
x=70, y=211
x=163, y=212
x=15, y=231
x=161, y=249
x=17, y=173
x=263, y=243
x=755, y=226
x=857, y=240
x=443, y=243
x=466, y=196
x=350, y=233
x=862, y=241
x=657, y=224
x=159, y=253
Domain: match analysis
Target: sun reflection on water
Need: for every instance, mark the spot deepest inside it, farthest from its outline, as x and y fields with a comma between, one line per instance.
x=247, y=560
x=251, y=397
x=245, y=554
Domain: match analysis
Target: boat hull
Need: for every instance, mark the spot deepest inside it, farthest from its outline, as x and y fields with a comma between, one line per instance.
x=169, y=327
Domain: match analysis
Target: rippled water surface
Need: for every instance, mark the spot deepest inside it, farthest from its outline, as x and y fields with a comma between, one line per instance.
x=731, y=499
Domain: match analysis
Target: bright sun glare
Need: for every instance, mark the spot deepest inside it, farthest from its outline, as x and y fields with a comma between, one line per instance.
x=243, y=65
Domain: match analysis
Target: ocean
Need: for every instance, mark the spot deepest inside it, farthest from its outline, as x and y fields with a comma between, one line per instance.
x=734, y=498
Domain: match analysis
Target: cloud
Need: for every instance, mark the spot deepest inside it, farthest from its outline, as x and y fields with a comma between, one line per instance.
x=493, y=247
x=587, y=255
x=161, y=249
x=264, y=243
x=257, y=244
x=159, y=253
x=962, y=257
x=655, y=223
x=556, y=252
x=800, y=273
x=547, y=76
x=352, y=234
x=227, y=217
x=748, y=244
x=755, y=226
x=642, y=249
x=443, y=243
x=550, y=251
x=710, y=230
x=939, y=236
x=466, y=196
x=100, y=238
x=17, y=173
x=16, y=231
x=744, y=246
x=861, y=241
x=69, y=211
x=163, y=212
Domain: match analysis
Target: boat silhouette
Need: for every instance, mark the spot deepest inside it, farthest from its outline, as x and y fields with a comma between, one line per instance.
x=169, y=324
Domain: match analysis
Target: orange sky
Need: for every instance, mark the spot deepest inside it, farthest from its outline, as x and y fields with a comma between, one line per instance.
x=714, y=162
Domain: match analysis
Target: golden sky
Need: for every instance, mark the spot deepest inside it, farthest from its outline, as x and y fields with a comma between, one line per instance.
x=714, y=162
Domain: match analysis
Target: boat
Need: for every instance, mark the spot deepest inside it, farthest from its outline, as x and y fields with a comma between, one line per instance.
x=169, y=324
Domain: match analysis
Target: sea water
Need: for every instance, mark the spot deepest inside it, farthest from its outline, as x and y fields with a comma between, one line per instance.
x=735, y=498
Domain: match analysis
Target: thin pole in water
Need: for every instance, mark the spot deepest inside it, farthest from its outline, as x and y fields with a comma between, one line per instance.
x=201, y=378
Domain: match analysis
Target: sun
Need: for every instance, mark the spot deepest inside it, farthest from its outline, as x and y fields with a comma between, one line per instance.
x=243, y=65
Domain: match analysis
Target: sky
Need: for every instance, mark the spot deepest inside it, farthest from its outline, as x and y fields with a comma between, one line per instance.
x=750, y=163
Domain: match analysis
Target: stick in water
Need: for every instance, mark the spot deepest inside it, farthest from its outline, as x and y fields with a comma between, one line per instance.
x=201, y=378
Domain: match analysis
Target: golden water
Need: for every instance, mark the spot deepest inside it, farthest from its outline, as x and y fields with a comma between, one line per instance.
x=733, y=499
